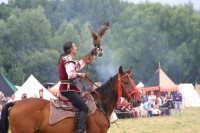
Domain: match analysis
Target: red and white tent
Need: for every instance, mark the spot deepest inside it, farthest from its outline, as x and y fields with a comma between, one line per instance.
x=160, y=81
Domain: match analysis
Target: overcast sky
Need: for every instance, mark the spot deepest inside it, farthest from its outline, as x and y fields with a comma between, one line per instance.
x=196, y=3
x=6, y=1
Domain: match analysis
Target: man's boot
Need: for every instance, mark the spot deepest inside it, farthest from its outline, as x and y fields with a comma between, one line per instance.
x=81, y=121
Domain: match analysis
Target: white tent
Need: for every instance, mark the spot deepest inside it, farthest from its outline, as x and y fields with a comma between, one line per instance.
x=140, y=84
x=18, y=87
x=189, y=95
x=31, y=88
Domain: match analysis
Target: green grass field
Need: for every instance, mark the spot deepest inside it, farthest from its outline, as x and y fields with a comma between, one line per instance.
x=187, y=122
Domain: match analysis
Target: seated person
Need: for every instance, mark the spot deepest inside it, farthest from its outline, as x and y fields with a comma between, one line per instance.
x=168, y=104
x=156, y=111
x=142, y=112
x=148, y=107
x=125, y=108
x=167, y=107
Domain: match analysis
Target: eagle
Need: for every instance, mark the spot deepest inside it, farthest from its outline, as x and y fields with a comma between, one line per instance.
x=98, y=36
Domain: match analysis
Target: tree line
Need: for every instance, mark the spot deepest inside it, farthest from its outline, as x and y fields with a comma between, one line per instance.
x=32, y=34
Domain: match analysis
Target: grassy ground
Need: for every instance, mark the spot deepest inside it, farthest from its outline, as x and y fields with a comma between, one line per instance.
x=187, y=122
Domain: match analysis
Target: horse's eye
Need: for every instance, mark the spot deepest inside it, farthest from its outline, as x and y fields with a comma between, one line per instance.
x=125, y=83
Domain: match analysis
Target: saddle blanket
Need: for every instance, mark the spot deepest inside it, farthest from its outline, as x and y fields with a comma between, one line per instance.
x=58, y=114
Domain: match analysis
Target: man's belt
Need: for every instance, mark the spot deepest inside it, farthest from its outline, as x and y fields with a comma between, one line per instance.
x=71, y=82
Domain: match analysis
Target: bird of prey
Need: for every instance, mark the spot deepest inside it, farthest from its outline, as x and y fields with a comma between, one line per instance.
x=98, y=36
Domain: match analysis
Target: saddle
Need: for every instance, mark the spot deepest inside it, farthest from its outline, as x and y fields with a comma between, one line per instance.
x=62, y=108
x=65, y=104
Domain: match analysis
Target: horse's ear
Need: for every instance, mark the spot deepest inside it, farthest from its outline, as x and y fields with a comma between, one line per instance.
x=121, y=70
x=130, y=70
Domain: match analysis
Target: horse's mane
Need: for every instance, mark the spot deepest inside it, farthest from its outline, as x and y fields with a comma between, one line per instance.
x=107, y=92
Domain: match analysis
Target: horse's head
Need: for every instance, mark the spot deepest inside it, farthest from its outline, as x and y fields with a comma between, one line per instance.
x=127, y=87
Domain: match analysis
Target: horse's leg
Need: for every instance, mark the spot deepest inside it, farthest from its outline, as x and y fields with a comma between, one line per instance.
x=97, y=123
x=27, y=116
x=21, y=124
x=21, y=128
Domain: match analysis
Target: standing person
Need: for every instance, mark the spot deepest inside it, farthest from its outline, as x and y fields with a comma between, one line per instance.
x=24, y=96
x=11, y=98
x=163, y=99
x=144, y=97
x=3, y=100
x=152, y=97
x=169, y=100
x=159, y=101
x=68, y=68
x=178, y=101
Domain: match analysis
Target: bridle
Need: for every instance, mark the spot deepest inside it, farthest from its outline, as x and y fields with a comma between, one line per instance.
x=120, y=87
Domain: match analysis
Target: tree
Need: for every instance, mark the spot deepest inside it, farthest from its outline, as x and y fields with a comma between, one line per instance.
x=65, y=32
x=18, y=75
x=3, y=30
x=28, y=29
x=43, y=65
x=5, y=11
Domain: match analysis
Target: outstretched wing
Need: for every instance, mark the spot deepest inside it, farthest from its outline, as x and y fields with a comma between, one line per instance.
x=97, y=36
x=102, y=31
x=94, y=36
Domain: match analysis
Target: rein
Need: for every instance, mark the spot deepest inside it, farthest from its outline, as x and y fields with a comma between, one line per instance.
x=88, y=80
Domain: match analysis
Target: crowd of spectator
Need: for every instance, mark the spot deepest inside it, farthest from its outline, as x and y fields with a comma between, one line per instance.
x=151, y=105
x=4, y=100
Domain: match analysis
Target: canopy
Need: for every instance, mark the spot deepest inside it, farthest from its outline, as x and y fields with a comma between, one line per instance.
x=197, y=88
x=6, y=86
x=55, y=89
x=160, y=81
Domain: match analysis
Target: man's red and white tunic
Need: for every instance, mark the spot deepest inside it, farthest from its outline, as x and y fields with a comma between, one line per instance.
x=68, y=68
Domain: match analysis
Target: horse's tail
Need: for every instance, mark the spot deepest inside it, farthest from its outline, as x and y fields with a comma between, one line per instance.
x=4, y=124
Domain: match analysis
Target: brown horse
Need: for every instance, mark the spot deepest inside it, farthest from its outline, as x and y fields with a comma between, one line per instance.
x=32, y=115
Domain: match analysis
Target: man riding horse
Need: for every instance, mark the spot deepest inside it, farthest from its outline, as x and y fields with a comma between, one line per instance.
x=68, y=68
x=35, y=113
